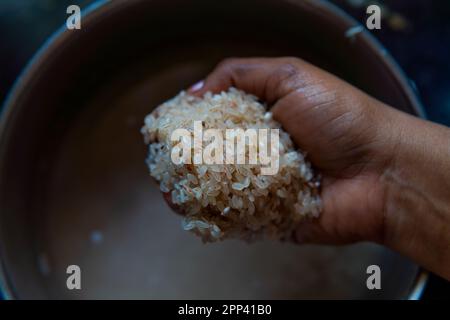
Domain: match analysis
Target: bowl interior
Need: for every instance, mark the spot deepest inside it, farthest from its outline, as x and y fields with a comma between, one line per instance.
x=74, y=187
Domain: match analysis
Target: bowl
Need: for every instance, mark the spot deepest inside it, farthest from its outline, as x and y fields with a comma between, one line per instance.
x=74, y=187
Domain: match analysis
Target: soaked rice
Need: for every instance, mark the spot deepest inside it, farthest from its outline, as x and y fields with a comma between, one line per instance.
x=230, y=200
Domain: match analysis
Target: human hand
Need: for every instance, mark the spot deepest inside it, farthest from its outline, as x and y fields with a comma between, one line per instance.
x=386, y=174
x=343, y=131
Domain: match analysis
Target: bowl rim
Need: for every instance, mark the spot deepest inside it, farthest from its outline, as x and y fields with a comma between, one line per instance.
x=101, y=7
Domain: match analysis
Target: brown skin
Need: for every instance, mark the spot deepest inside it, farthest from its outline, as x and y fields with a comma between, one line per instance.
x=386, y=174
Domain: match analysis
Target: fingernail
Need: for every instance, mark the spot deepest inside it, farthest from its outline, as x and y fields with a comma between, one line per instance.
x=197, y=86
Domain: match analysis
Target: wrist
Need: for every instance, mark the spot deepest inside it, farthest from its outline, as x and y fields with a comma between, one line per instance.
x=417, y=194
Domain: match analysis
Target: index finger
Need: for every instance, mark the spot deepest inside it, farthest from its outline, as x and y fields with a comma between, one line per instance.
x=267, y=78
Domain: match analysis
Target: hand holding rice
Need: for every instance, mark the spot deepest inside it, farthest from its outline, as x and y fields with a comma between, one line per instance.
x=262, y=190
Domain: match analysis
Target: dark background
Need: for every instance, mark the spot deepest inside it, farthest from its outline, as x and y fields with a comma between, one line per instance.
x=415, y=32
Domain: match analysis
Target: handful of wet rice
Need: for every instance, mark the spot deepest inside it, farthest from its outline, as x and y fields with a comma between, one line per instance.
x=230, y=200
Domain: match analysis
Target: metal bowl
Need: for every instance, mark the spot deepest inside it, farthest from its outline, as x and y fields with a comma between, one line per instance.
x=74, y=188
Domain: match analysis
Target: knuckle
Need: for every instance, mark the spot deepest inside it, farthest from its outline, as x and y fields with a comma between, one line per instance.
x=287, y=70
x=284, y=76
